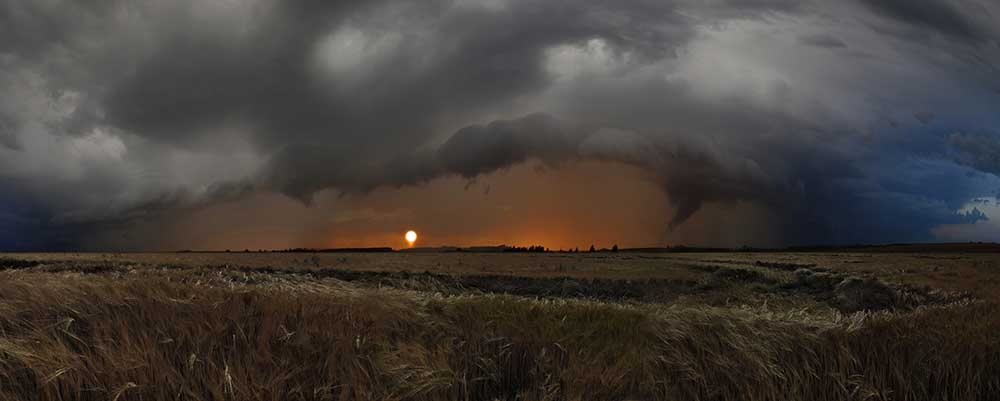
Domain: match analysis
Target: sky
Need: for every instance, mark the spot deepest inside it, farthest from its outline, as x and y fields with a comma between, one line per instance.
x=266, y=124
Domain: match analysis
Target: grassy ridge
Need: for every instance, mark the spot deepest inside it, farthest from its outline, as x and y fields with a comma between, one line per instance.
x=70, y=337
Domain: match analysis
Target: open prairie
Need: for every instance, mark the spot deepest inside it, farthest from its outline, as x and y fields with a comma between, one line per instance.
x=781, y=200
x=484, y=326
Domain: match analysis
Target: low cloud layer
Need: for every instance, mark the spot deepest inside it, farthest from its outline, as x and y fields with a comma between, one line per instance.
x=855, y=121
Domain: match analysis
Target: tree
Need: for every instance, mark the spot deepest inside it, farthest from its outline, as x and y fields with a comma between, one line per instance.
x=614, y=248
x=592, y=249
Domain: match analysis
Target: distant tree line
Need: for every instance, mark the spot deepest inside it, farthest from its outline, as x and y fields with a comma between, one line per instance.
x=500, y=248
x=539, y=248
x=335, y=250
x=533, y=248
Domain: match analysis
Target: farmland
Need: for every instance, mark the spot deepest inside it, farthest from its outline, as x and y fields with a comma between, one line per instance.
x=466, y=326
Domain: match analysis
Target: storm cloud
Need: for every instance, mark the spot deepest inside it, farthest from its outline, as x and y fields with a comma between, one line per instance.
x=114, y=111
x=954, y=18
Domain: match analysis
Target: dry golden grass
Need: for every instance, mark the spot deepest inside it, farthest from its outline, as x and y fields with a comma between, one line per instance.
x=144, y=333
x=978, y=273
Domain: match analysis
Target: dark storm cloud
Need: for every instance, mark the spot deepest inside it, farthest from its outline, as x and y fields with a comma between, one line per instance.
x=822, y=40
x=981, y=152
x=114, y=110
x=274, y=77
x=691, y=173
x=8, y=130
x=925, y=117
x=290, y=78
x=480, y=149
x=821, y=188
x=950, y=17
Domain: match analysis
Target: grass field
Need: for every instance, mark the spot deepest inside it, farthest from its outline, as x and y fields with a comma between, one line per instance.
x=461, y=326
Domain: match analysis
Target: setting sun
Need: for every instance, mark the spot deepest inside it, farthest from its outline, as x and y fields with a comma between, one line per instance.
x=411, y=237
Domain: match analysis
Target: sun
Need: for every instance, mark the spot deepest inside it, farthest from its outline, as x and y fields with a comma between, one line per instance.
x=411, y=237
